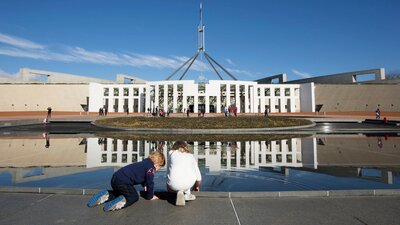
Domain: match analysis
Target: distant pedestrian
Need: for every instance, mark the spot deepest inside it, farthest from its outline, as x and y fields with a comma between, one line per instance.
x=101, y=111
x=105, y=110
x=266, y=113
x=378, y=113
x=46, y=120
x=187, y=112
x=127, y=110
x=49, y=112
x=230, y=110
x=226, y=111
x=235, y=111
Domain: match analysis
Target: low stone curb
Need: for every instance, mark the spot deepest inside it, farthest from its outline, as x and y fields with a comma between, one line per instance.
x=12, y=123
x=207, y=194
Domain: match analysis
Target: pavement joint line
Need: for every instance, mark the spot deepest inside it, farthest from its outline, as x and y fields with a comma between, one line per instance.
x=234, y=209
x=45, y=198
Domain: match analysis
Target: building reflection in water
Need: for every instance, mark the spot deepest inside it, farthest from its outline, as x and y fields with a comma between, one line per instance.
x=215, y=156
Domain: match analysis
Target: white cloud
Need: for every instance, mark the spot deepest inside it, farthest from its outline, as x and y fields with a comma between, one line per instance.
x=19, y=42
x=22, y=53
x=301, y=74
x=230, y=62
x=22, y=48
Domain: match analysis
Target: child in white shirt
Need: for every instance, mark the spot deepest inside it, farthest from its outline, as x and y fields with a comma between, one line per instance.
x=183, y=173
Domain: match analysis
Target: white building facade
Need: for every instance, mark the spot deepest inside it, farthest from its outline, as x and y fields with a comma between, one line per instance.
x=177, y=96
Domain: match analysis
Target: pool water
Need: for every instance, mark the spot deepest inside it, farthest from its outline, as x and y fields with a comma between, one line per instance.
x=318, y=162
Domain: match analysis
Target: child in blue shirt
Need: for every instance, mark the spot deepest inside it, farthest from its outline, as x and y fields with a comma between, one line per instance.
x=123, y=193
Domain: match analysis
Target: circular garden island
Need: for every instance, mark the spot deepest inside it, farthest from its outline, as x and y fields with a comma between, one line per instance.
x=133, y=124
x=240, y=122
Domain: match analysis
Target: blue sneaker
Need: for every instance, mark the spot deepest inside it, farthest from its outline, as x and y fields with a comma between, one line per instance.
x=115, y=204
x=98, y=199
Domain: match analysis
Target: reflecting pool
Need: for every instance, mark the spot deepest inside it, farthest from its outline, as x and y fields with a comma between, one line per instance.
x=316, y=162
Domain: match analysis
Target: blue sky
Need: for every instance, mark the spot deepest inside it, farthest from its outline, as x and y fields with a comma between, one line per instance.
x=151, y=38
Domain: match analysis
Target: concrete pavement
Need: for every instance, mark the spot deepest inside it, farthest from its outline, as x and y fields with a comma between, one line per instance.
x=29, y=208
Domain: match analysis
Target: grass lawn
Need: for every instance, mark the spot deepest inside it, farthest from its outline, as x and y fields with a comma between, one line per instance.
x=202, y=122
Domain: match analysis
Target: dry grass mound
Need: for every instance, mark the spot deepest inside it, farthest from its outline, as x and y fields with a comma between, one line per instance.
x=202, y=122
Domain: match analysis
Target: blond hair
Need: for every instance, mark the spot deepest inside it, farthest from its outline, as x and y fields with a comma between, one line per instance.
x=180, y=146
x=157, y=158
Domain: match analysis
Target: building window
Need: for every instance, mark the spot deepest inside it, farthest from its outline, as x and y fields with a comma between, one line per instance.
x=103, y=158
x=223, y=89
x=124, y=158
x=258, y=92
x=201, y=88
x=126, y=91
x=277, y=92
x=135, y=91
x=287, y=91
x=114, y=158
x=180, y=89
x=106, y=91
x=116, y=92
x=161, y=97
x=267, y=92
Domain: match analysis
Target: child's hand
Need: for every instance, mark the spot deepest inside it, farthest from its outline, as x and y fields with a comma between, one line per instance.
x=154, y=198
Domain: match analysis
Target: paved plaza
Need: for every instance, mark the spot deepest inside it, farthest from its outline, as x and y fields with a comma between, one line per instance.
x=25, y=207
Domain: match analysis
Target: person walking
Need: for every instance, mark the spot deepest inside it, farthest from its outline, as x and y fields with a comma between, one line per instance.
x=378, y=114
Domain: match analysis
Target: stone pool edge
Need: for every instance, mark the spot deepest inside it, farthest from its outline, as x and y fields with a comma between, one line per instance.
x=206, y=194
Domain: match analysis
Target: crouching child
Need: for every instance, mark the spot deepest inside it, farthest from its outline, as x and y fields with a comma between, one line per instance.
x=123, y=193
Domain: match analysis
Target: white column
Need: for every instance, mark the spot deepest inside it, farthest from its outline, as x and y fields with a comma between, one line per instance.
x=228, y=95
x=237, y=96
x=196, y=103
x=218, y=102
x=165, y=97
x=207, y=104
x=156, y=95
x=262, y=97
x=147, y=101
x=252, y=103
x=246, y=98
x=175, y=98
